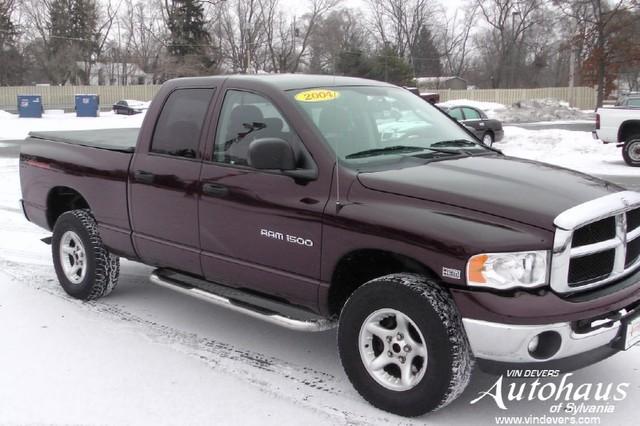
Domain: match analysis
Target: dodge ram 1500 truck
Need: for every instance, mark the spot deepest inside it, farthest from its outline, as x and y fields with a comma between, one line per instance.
x=621, y=125
x=290, y=198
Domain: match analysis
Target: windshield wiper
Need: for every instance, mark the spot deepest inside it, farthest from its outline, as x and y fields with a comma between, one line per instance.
x=400, y=148
x=456, y=143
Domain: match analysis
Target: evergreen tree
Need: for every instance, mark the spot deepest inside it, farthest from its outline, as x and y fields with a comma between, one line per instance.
x=388, y=66
x=353, y=63
x=425, y=56
x=187, y=26
x=73, y=39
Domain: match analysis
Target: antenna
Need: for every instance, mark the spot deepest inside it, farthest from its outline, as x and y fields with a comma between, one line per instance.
x=337, y=180
x=337, y=157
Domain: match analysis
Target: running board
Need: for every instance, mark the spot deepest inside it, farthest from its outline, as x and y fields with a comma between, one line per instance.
x=246, y=303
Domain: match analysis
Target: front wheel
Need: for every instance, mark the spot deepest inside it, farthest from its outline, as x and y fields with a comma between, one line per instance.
x=631, y=151
x=403, y=345
x=85, y=268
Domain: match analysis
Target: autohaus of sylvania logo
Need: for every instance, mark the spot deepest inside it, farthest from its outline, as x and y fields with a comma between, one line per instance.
x=585, y=398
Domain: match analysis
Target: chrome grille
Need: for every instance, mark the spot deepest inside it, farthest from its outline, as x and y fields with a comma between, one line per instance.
x=596, y=243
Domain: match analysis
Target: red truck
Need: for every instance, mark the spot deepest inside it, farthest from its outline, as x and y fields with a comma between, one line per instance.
x=317, y=201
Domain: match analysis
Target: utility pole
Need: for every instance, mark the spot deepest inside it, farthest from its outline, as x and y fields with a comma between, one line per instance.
x=572, y=66
x=386, y=68
x=513, y=46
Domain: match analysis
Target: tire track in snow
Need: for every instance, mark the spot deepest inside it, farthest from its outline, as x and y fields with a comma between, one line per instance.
x=305, y=386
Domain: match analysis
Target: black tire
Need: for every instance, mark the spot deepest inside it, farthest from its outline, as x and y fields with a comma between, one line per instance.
x=631, y=151
x=450, y=359
x=102, y=268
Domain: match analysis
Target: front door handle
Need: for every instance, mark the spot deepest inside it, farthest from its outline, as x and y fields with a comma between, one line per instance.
x=143, y=177
x=215, y=190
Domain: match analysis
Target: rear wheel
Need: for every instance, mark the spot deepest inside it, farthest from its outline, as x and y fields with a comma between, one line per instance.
x=85, y=268
x=487, y=139
x=631, y=151
x=403, y=346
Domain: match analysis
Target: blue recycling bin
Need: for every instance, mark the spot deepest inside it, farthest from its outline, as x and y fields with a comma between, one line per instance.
x=30, y=106
x=87, y=105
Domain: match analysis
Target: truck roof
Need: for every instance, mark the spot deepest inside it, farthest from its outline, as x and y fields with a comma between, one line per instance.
x=282, y=81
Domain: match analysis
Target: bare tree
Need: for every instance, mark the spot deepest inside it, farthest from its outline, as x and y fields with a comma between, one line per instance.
x=455, y=40
x=106, y=17
x=338, y=34
x=598, y=22
x=397, y=23
x=287, y=38
x=240, y=30
x=504, y=44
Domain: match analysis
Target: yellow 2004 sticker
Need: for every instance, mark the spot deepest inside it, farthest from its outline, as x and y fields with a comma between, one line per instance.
x=317, y=95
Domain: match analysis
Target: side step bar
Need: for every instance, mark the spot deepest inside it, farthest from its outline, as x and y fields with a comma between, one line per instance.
x=248, y=304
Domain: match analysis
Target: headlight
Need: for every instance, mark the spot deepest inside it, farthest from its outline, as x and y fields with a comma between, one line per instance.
x=508, y=270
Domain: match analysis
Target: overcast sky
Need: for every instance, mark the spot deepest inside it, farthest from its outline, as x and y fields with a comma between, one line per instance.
x=298, y=6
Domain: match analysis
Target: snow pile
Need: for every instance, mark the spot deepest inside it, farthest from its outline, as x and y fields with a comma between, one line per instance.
x=536, y=110
x=5, y=115
x=570, y=149
x=13, y=128
x=542, y=110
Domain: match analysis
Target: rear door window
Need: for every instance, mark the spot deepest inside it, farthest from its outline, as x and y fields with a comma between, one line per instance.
x=180, y=123
x=471, y=114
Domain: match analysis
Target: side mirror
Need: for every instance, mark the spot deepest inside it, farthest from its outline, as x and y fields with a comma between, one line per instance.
x=271, y=154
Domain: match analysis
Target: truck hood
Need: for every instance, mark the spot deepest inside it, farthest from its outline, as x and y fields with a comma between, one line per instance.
x=517, y=189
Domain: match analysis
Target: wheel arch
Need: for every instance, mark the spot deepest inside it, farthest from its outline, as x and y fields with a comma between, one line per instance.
x=628, y=128
x=360, y=266
x=62, y=199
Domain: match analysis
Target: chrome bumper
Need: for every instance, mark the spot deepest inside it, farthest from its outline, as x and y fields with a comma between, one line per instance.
x=510, y=343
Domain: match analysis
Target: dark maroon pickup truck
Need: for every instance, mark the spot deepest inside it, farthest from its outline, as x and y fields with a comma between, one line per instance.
x=316, y=201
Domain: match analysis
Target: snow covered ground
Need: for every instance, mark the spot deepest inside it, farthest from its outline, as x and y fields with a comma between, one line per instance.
x=570, y=149
x=147, y=356
x=12, y=127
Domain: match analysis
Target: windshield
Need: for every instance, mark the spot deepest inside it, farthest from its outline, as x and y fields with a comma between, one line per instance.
x=372, y=124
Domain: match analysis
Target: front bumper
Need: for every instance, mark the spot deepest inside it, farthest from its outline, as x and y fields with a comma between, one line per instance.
x=549, y=343
x=509, y=343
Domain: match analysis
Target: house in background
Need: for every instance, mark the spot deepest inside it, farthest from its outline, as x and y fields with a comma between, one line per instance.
x=441, y=83
x=116, y=74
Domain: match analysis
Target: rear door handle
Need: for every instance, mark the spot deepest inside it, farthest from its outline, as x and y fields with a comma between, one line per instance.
x=215, y=190
x=143, y=177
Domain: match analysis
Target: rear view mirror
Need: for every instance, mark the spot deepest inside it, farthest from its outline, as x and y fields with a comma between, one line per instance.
x=271, y=154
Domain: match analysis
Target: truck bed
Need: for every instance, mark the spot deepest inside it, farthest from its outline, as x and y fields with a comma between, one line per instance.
x=123, y=140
